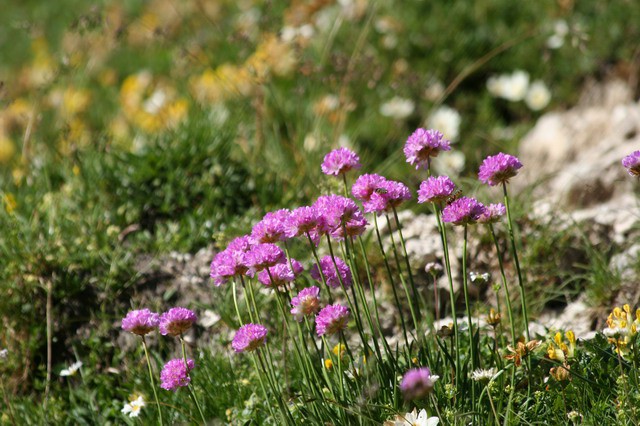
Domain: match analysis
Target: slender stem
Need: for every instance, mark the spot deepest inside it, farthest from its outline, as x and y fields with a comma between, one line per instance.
x=193, y=396
x=472, y=346
x=407, y=264
x=153, y=382
x=7, y=400
x=504, y=284
x=235, y=302
x=393, y=287
x=523, y=300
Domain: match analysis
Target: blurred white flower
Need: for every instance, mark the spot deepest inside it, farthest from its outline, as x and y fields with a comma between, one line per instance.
x=289, y=33
x=413, y=418
x=449, y=163
x=560, y=31
x=477, y=278
x=4, y=354
x=344, y=141
x=446, y=120
x=397, y=108
x=512, y=87
x=434, y=90
x=538, y=96
x=133, y=408
x=154, y=103
x=72, y=370
x=208, y=318
x=310, y=143
x=483, y=375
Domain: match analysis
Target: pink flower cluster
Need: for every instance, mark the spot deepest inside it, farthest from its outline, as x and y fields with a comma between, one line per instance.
x=306, y=303
x=249, y=338
x=176, y=321
x=332, y=319
x=333, y=274
x=499, y=168
x=175, y=374
x=340, y=161
x=424, y=144
x=379, y=194
x=417, y=383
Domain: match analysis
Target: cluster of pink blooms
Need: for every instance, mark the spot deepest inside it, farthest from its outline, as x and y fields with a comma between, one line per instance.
x=417, y=383
x=632, y=163
x=306, y=303
x=378, y=194
x=174, y=323
x=249, y=338
x=334, y=274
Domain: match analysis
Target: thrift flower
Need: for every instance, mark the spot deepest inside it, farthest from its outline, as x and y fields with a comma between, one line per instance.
x=632, y=163
x=72, y=370
x=176, y=321
x=363, y=188
x=280, y=273
x=305, y=220
x=329, y=271
x=341, y=214
x=263, y=256
x=306, y=303
x=249, y=338
x=340, y=161
x=140, y=322
x=492, y=213
x=499, y=168
x=417, y=383
x=389, y=195
x=424, y=144
x=332, y=319
x=133, y=407
x=175, y=374
x=231, y=261
x=436, y=190
x=463, y=211
x=272, y=228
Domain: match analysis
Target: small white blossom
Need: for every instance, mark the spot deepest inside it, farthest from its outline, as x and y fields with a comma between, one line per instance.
x=478, y=279
x=450, y=163
x=512, y=87
x=483, y=375
x=397, y=108
x=446, y=120
x=4, y=354
x=538, y=96
x=413, y=419
x=72, y=370
x=560, y=31
x=133, y=408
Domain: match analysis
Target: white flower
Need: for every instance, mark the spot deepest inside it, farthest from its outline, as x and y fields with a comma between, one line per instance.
x=397, y=108
x=133, y=408
x=560, y=31
x=154, y=103
x=4, y=354
x=538, y=96
x=483, y=375
x=446, y=120
x=414, y=419
x=449, y=163
x=478, y=278
x=72, y=370
x=512, y=87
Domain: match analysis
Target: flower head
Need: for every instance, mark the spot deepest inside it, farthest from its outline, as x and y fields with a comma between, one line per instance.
x=436, y=189
x=521, y=350
x=339, y=161
x=447, y=120
x=140, y=322
x=72, y=370
x=331, y=276
x=306, y=220
x=424, y=144
x=332, y=319
x=231, y=261
x=133, y=407
x=632, y=163
x=273, y=227
x=483, y=375
x=463, y=211
x=341, y=214
x=176, y=321
x=413, y=418
x=559, y=350
x=249, y=338
x=622, y=327
x=365, y=185
x=499, y=168
x=263, y=256
x=492, y=213
x=281, y=274
x=175, y=374
x=417, y=383
x=306, y=303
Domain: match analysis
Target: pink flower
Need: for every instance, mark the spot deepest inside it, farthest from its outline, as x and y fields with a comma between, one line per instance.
x=417, y=383
x=273, y=227
x=140, y=322
x=332, y=319
x=499, y=168
x=492, y=213
x=436, y=190
x=175, y=374
x=263, y=256
x=332, y=277
x=305, y=303
x=249, y=338
x=424, y=144
x=632, y=163
x=341, y=214
x=176, y=321
x=231, y=261
x=281, y=274
x=463, y=211
x=340, y=161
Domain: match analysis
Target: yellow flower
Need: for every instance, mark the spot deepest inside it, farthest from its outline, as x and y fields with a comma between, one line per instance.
x=622, y=328
x=339, y=348
x=328, y=364
x=559, y=350
x=7, y=149
x=10, y=203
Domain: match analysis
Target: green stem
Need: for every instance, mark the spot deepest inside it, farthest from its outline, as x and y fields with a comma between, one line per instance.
x=407, y=264
x=523, y=300
x=153, y=382
x=465, y=288
x=504, y=284
x=193, y=396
